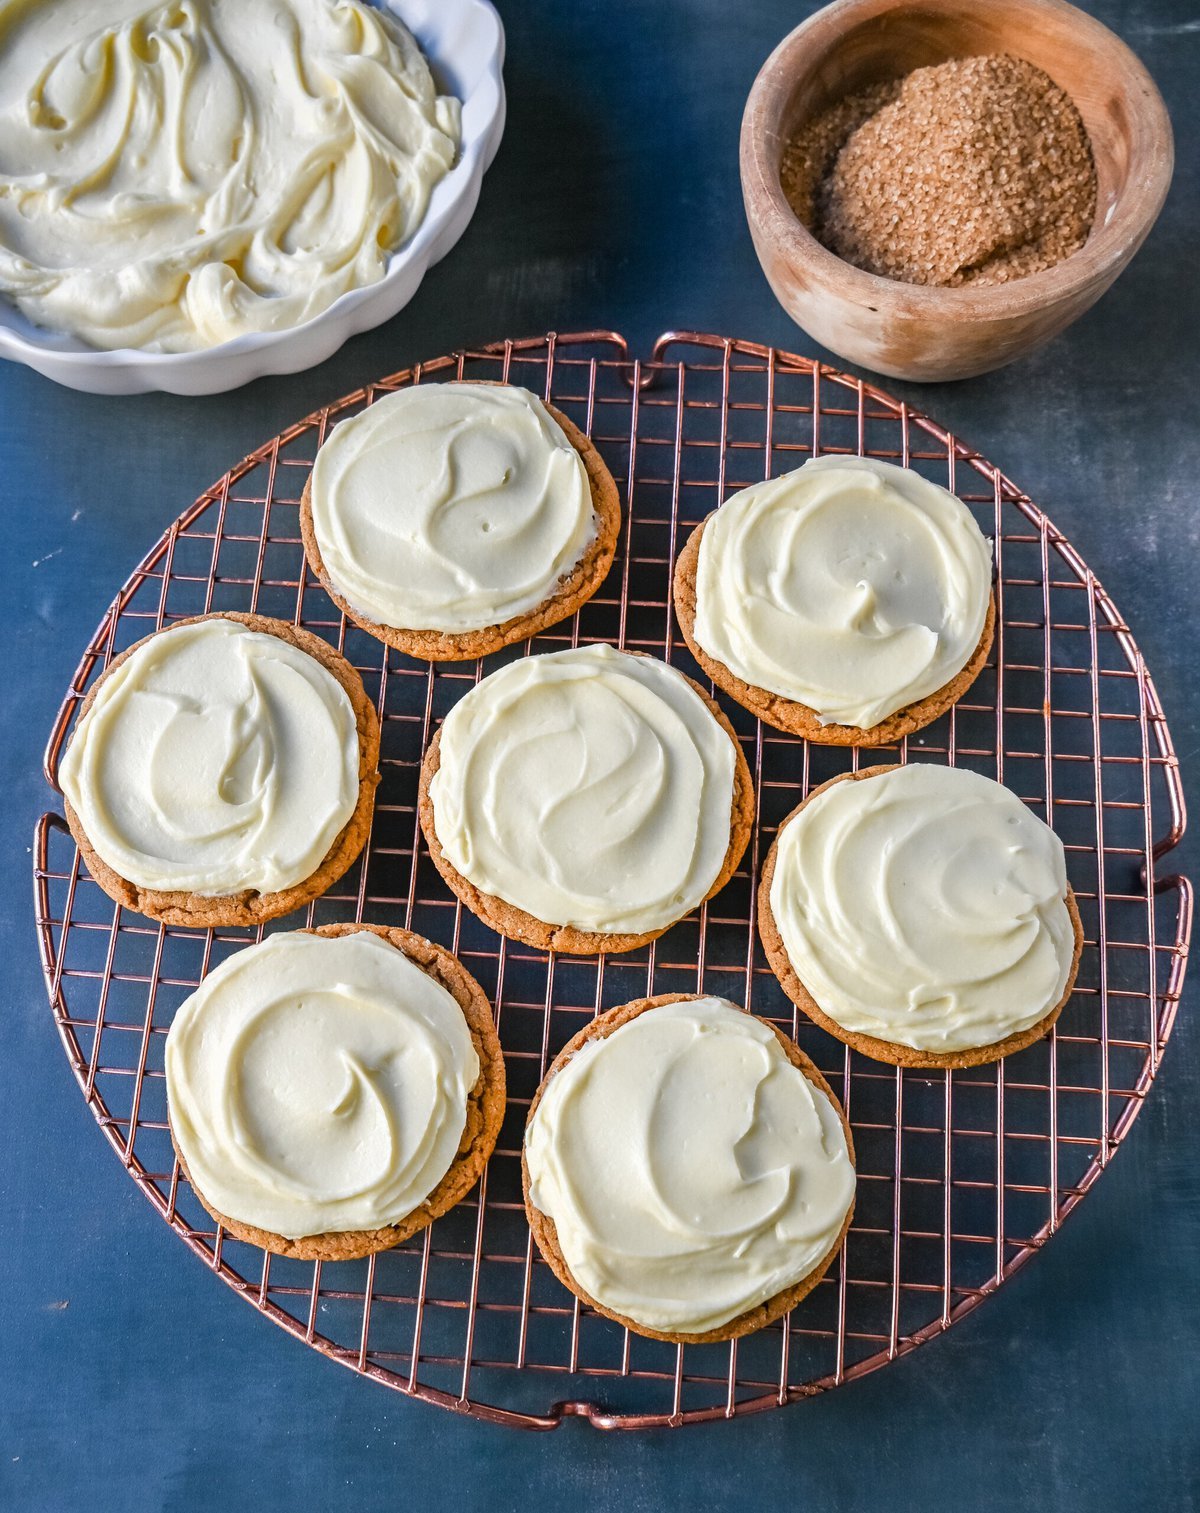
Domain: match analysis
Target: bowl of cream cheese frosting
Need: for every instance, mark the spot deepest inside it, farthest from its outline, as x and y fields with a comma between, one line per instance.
x=197, y=193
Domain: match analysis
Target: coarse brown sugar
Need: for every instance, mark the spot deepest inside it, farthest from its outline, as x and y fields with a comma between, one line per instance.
x=974, y=171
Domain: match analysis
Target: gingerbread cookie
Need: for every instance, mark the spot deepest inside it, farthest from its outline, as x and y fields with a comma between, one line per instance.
x=468, y=1152
x=954, y=898
x=734, y=1250
x=534, y=532
x=612, y=847
x=848, y=601
x=205, y=756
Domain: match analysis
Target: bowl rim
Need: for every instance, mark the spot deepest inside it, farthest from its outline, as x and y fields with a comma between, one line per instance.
x=1108, y=245
x=477, y=26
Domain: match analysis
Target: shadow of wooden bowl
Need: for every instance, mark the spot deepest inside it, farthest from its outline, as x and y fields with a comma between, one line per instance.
x=926, y=333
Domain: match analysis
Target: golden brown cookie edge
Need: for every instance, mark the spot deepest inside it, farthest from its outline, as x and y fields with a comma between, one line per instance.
x=574, y=589
x=509, y=920
x=798, y=719
x=889, y=1051
x=545, y=1233
x=199, y=911
x=486, y=1106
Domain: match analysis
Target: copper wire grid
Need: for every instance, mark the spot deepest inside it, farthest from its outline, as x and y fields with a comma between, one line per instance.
x=962, y=1176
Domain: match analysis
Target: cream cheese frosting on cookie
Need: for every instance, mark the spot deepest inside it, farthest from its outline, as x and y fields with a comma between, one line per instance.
x=589, y=788
x=318, y=1085
x=175, y=175
x=215, y=759
x=850, y=586
x=925, y=906
x=691, y=1170
x=450, y=507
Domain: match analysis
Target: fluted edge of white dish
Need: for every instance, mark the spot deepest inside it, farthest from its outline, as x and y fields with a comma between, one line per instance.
x=464, y=43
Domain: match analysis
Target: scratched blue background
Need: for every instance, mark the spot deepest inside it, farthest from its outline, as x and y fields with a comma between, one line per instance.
x=131, y=1379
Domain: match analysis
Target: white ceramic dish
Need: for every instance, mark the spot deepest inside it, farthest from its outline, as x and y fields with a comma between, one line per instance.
x=464, y=42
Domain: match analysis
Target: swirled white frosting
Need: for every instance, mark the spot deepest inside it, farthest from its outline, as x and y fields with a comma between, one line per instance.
x=450, y=507
x=850, y=586
x=925, y=906
x=175, y=175
x=317, y=1085
x=215, y=759
x=589, y=788
x=692, y=1172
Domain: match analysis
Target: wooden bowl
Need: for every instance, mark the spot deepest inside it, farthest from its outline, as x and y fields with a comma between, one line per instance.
x=920, y=332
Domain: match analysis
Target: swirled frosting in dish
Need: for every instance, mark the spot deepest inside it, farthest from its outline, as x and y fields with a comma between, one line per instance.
x=691, y=1170
x=318, y=1085
x=589, y=788
x=450, y=507
x=925, y=906
x=215, y=759
x=175, y=175
x=850, y=586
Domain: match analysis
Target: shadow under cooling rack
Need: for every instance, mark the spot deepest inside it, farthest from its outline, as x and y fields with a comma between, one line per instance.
x=962, y=1176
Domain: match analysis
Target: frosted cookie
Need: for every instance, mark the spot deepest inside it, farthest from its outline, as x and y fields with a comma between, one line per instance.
x=585, y=800
x=921, y=914
x=849, y=601
x=452, y=519
x=332, y=1092
x=222, y=772
x=681, y=1227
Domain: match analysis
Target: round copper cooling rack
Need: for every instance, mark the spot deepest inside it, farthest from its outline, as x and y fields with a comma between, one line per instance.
x=962, y=1176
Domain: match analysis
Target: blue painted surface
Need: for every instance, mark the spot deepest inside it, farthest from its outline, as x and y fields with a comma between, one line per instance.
x=130, y=1378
